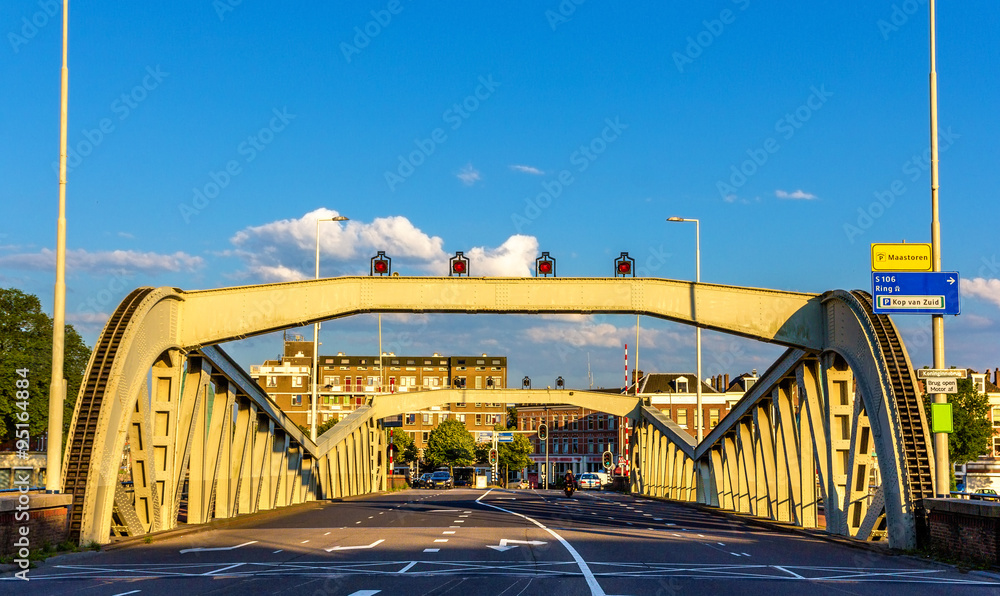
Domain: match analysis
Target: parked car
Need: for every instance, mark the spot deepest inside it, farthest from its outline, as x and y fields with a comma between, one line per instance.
x=422, y=481
x=985, y=493
x=440, y=480
x=588, y=480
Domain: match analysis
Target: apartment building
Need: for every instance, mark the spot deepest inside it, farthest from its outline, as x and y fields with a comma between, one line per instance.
x=346, y=382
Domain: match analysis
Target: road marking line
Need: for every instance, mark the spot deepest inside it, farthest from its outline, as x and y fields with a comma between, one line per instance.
x=365, y=593
x=431, y=550
x=372, y=545
x=792, y=573
x=227, y=568
x=127, y=593
x=276, y=552
x=595, y=587
x=407, y=568
x=458, y=521
x=720, y=544
x=304, y=541
x=746, y=555
x=203, y=549
x=454, y=526
x=327, y=534
x=448, y=532
x=440, y=540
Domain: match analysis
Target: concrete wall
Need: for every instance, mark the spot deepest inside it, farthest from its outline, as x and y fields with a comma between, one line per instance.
x=968, y=530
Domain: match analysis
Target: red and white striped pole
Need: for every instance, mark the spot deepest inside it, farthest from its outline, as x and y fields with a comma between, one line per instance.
x=624, y=421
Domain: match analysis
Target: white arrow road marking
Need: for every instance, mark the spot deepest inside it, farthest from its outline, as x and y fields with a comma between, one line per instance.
x=203, y=549
x=372, y=545
x=504, y=542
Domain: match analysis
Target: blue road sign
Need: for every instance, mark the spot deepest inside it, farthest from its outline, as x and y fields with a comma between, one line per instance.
x=908, y=293
x=505, y=437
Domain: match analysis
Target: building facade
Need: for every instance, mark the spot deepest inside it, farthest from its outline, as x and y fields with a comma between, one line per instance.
x=346, y=382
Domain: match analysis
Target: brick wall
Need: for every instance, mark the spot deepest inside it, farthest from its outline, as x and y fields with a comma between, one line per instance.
x=967, y=530
x=47, y=522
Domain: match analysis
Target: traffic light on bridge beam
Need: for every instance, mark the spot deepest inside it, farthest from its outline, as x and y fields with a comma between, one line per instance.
x=624, y=266
x=381, y=264
x=545, y=266
x=459, y=265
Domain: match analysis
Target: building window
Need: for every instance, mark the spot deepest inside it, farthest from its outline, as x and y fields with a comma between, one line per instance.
x=423, y=436
x=411, y=419
x=460, y=417
x=682, y=385
x=479, y=382
x=682, y=417
x=996, y=416
x=479, y=419
x=296, y=381
x=296, y=400
x=272, y=381
x=425, y=419
x=590, y=445
x=576, y=446
x=713, y=418
x=611, y=423
x=996, y=446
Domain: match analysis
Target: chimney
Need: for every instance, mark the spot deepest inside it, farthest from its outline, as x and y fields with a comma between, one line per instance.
x=996, y=377
x=726, y=387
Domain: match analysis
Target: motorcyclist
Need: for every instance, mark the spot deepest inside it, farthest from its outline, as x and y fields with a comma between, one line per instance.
x=570, y=481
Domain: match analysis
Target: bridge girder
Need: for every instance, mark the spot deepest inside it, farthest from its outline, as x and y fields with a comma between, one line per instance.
x=401, y=403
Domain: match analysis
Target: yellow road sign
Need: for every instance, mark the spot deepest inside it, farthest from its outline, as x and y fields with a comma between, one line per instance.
x=901, y=257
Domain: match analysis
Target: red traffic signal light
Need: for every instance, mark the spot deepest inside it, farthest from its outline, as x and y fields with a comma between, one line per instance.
x=381, y=264
x=545, y=266
x=493, y=457
x=459, y=265
x=543, y=431
x=624, y=266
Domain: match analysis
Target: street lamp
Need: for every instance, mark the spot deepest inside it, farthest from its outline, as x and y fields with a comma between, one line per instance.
x=697, y=336
x=315, y=366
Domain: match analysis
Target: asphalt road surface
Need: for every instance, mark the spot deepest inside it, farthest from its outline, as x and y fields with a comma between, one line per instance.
x=465, y=542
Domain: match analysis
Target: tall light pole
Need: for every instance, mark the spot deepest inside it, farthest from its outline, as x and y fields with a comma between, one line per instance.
x=941, y=463
x=315, y=367
x=697, y=330
x=57, y=384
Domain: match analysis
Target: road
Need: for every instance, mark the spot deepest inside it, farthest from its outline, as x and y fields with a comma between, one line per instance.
x=465, y=542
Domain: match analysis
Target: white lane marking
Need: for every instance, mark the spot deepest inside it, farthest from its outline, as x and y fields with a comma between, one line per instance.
x=746, y=555
x=440, y=540
x=304, y=541
x=205, y=549
x=657, y=519
x=226, y=568
x=595, y=588
x=677, y=535
x=795, y=575
x=407, y=568
x=276, y=552
x=127, y=593
x=720, y=544
x=431, y=550
x=504, y=542
x=327, y=534
x=448, y=532
x=365, y=593
x=463, y=516
x=357, y=522
x=372, y=545
x=454, y=526
x=443, y=510
x=458, y=521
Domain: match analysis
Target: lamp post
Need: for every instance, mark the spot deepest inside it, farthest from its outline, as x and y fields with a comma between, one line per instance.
x=697, y=336
x=315, y=366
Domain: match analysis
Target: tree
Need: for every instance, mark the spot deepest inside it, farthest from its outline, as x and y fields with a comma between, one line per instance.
x=973, y=431
x=26, y=344
x=322, y=428
x=515, y=455
x=450, y=444
x=405, y=448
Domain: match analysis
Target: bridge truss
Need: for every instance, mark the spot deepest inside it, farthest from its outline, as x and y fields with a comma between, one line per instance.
x=197, y=425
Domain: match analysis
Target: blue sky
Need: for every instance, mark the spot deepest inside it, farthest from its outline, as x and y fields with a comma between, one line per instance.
x=206, y=138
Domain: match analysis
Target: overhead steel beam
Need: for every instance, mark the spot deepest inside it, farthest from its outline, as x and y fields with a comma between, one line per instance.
x=415, y=401
x=211, y=316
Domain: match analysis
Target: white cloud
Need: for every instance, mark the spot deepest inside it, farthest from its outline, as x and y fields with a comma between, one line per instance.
x=527, y=170
x=982, y=288
x=797, y=194
x=284, y=250
x=102, y=261
x=468, y=175
x=513, y=258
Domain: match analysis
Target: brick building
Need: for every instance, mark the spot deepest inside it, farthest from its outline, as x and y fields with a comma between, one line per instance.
x=577, y=437
x=676, y=395
x=345, y=382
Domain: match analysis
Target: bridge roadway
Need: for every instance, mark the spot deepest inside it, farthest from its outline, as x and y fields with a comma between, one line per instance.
x=496, y=542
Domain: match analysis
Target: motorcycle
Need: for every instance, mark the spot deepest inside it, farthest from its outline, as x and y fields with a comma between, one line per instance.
x=569, y=489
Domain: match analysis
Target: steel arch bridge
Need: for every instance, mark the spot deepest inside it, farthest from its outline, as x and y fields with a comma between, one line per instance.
x=800, y=439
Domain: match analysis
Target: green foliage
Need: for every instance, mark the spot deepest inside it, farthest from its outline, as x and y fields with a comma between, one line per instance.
x=515, y=456
x=511, y=417
x=450, y=444
x=405, y=448
x=26, y=343
x=322, y=428
x=973, y=432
